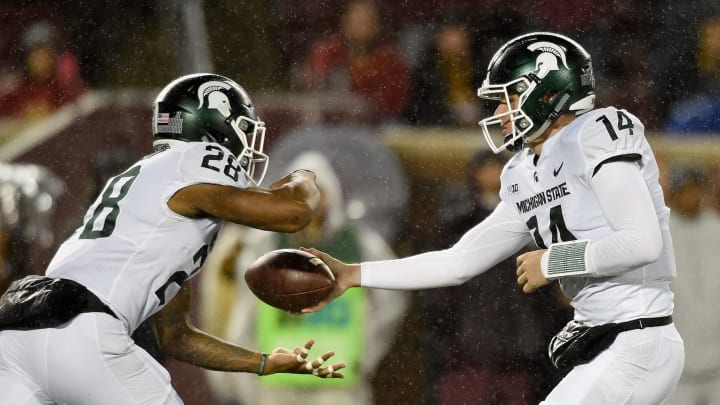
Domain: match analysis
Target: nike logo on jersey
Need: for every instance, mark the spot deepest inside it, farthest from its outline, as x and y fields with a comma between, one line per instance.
x=557, y=171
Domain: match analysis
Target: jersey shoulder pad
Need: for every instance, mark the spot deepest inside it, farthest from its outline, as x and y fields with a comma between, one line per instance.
x=204, y=162
x=603, y=134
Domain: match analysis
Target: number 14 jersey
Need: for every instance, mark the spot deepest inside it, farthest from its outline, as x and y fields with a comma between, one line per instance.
x=132, y=250
x=552, y=195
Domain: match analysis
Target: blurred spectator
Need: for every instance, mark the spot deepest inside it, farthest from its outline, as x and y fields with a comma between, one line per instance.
x=694, y=230
x=464, y=34
x=616, y=34
x=673, y=30
x=361, y=340
x=445, y=81
x=699, y=112
x=571, y=17
x=28, y=198
x=51, y=76
x=360, y=60
x=487, y=337
x=620, y=36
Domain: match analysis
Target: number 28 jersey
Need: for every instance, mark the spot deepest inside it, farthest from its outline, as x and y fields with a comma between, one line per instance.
x=553, y=197
x=132, y=250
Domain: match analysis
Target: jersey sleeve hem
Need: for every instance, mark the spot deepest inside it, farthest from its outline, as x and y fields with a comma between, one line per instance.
x=626, y=157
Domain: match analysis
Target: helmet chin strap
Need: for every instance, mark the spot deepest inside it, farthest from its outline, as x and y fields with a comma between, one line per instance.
x=516, y=146
x=552, y=117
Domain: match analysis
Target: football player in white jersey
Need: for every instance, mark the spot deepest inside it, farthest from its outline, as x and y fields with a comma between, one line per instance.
x=65, y=337
x=583, y=185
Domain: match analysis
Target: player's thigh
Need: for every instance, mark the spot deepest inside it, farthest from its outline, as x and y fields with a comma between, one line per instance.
x=640, y=367
x=16, y=384
x=664, y=376
x=107, y=367
x=16, y=390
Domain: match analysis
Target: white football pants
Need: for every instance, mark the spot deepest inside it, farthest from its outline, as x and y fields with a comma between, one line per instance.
x=642, y=367
x=90, y=360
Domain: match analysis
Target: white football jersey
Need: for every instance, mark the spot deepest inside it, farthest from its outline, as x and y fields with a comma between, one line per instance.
x=132, y=250
x=552, y=195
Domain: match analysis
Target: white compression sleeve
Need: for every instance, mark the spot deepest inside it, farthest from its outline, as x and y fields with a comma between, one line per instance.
x=497, y=237
x=626, y=203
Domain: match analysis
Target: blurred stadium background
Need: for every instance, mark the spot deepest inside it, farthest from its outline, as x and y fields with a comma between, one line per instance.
x=646, y=54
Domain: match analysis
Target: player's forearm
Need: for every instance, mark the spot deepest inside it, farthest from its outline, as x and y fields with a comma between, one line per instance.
x=179, y=339
x=428, y=270
x=206, y=351
x=488, y=243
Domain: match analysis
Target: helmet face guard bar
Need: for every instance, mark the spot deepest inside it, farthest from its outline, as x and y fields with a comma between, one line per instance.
x=252, y=158
x=520, y=123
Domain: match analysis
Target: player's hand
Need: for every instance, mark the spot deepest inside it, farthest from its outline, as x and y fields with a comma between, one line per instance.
x=295, y=361
x=530, y=276
x=346, y=276
x=294, y=176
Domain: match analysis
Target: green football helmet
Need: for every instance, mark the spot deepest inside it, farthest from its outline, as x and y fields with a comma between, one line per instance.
x=551, y=74
x=207, y=107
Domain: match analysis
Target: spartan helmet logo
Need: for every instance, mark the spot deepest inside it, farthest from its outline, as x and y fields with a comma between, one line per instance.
x=215, y=98
x=547, y=61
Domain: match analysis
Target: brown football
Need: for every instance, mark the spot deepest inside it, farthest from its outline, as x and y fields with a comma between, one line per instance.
x=289, y=279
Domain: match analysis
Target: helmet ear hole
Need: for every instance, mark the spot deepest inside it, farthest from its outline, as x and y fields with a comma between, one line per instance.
x=519, y=88
x=522, y=123
x=243, y=125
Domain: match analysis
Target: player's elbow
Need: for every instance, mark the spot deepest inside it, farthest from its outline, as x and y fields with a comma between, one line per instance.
x=650, y=249
x=167, y=339
x=459, y=276
x=645, y=247
x=171, y=336
x=460, y=279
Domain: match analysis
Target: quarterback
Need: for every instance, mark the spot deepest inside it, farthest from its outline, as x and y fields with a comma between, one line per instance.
x=65, y=336
x=583, y=186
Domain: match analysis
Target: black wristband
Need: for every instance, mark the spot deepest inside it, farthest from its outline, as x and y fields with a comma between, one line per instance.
x=263, y=360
